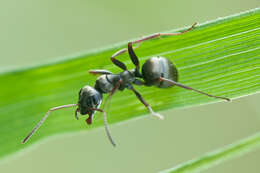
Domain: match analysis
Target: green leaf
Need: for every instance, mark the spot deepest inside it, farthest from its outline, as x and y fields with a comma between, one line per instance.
x=218, y=156
x=221, y=57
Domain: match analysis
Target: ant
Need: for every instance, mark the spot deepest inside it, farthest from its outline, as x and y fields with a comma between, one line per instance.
x=156, y=71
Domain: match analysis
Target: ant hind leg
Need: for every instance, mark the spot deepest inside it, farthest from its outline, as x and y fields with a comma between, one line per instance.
x=165, y=34
x=189, y=88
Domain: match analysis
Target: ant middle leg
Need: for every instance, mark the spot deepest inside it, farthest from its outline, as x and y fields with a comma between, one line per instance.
x=117, y=62
x=138, y=95
x=99, y=72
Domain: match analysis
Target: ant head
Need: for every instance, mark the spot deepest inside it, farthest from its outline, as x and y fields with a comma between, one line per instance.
x=89, y=98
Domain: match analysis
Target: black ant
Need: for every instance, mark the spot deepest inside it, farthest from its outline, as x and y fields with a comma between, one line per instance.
x=156, y=71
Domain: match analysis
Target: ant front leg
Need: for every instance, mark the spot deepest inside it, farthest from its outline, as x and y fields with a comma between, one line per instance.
x=112, y=92
x=77, y=113
x=117, y=85
x=106, y=126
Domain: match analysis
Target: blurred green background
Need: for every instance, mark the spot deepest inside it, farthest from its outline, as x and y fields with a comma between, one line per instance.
x=35, y=31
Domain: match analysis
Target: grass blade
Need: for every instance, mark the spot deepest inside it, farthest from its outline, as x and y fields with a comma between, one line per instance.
x=213, y=158
x=220, y=57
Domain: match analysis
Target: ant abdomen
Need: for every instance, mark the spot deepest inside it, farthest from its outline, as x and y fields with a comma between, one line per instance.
x=157, y=67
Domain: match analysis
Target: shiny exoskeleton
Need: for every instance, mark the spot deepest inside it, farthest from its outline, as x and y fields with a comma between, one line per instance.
x=156, y=71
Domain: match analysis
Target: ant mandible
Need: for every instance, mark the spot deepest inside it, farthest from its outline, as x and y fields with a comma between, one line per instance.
x=156, y=71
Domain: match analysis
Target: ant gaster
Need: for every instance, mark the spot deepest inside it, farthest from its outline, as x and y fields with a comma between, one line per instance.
x=156, y=71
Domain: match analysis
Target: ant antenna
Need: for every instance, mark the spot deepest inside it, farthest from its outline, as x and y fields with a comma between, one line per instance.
x=189, y=88
x=44, y=118
x=106, y=126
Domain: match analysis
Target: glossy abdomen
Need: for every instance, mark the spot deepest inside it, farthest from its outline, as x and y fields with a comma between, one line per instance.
x=157, y=67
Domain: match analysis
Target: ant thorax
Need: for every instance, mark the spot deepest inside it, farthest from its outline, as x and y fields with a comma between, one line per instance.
x=106, y=83
x=127, y=77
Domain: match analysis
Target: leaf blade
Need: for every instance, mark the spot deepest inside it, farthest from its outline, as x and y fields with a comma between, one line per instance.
x=221, y=57
x=213, y=158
